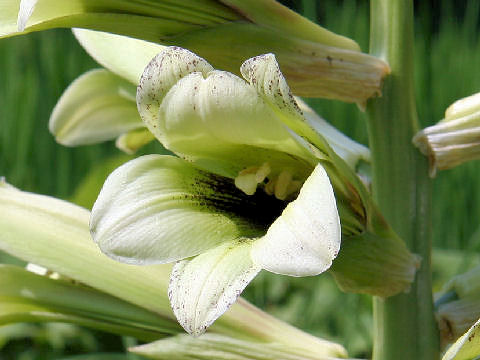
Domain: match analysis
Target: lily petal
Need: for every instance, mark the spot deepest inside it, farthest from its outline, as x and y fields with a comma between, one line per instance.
x=467, y=347
x=159, y=209
x=95, y=107
x=306, y=238
x=213, y=115
x=204, y=288
x=264, y=74
x=125, y=56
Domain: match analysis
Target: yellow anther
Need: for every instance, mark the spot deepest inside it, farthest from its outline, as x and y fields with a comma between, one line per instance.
x=293, y=187
x=247, y=183
x=270, y=186
x=249, y=178
x=262, y=172
x=281, y=187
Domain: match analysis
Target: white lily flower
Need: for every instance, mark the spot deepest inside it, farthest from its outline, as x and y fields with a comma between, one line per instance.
x=215, y=216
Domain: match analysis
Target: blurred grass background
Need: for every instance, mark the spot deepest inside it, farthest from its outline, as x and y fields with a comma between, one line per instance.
x=35, y=69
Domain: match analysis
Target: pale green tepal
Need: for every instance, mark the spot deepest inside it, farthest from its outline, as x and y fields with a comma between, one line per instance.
x=207, y=213
x=96, y=107
x=100, y=104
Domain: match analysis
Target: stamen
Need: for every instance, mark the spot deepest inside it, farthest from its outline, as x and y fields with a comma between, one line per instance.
x=263, y=172
x=281, y=187
x=247, y=183
x=293, y=187
x=270, y=186
x=249, y=178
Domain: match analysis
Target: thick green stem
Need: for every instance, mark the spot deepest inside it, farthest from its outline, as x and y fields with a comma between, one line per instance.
x=404, y=325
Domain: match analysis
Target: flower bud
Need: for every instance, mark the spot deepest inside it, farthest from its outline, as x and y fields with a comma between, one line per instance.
x=454, y=139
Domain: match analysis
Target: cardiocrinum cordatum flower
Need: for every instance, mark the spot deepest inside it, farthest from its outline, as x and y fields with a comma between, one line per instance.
x=248, y=190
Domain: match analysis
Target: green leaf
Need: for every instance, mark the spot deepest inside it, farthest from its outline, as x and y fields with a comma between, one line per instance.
x=467, y=347
x=134, y=17
x=286, y=20
x=220, y=347
x=203, y=288
x=42, y=298
x=159, y=209
x=97, y=106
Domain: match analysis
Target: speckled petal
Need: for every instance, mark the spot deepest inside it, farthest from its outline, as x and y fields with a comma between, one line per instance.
x=213, y=117
x=264, y=74
x=204, y=288
x=305, y=239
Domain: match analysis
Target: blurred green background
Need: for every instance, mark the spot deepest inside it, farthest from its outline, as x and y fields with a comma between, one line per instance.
x=35, y=69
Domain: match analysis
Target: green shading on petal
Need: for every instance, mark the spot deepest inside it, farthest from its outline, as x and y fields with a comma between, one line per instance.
x=159, y=209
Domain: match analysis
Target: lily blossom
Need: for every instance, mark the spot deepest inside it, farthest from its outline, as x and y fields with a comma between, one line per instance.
x=246, y=192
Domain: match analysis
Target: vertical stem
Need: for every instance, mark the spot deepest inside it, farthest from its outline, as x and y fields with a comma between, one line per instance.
x=404, y=325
